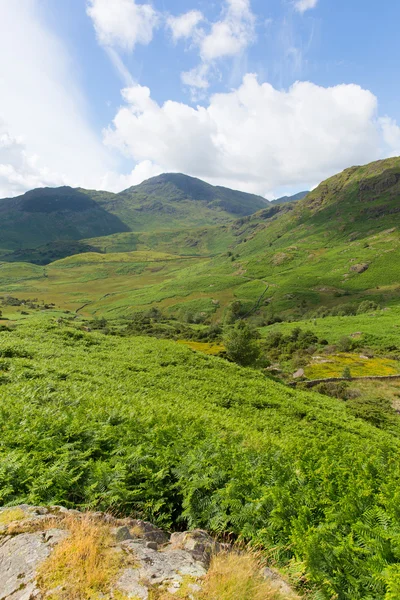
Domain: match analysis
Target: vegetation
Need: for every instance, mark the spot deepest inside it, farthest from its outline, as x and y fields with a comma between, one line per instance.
x=241, y=345
x=135, y=424
x=171, y=201
x=146, y=427
x=83, y=565
x=232, y=576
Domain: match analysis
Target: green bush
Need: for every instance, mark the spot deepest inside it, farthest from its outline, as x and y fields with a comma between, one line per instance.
x=241, y=344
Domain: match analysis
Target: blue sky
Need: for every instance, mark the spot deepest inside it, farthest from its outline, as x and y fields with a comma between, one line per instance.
x=268, y=96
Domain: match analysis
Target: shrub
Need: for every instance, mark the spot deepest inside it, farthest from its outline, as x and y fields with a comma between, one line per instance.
x=345, y=344
x=377, y=411
x=346, y=373
x=241, y=345
x=367, y=306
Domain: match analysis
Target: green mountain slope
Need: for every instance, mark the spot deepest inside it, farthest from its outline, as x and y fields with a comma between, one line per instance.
x=52, y=214
x=339, y=245
x=294, y=198
x=175, y=201
x=170, y=201
x=145, y=427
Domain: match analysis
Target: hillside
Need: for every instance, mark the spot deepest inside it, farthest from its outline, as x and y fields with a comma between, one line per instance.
x=339, y=245
x=51, y=214
x=170, y=201
x=294, y=198
x=149, y=429
x=179, y=200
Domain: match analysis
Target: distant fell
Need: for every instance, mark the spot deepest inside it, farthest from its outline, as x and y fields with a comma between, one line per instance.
x=168, y=202
x=174, y=200
x=51, y=214
x=294, y=198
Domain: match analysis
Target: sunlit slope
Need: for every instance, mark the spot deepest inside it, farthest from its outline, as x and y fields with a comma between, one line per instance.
x=148, y=428
x=340, y=244
x=49, y=217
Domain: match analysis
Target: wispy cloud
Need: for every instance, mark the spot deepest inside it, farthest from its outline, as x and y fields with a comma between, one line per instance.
x=303, y=5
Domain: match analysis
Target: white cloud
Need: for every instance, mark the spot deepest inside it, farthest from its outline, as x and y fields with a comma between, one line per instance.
x=391, y=135
x=197, y=78
x=122, y=23
x=302, y=5
x=255, y=138
x=232, y=34
x=185, y=25
x=116, y=182
x=19, y=171
x=45, y=134
x=228, y=37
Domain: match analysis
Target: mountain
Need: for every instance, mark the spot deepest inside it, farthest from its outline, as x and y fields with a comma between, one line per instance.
x=170, y=201
x=51, y=214
x=338, y=245
x=286, y=199
x=175, y=201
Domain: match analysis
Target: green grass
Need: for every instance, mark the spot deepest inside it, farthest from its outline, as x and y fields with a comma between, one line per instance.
x=379, y=330
x=289, y=248
x=147, y=427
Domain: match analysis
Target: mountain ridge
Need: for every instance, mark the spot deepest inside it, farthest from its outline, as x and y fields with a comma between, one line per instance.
x=169, y=201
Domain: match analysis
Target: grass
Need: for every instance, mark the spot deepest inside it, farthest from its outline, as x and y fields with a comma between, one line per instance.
x=212, y=349
x=148, y=428
x=379, y=330
x=10, y=515
x=84, y=565
x=231, y=576
x=333, y=366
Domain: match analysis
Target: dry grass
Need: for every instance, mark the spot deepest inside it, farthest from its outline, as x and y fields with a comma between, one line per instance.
x=11, y=515
x=231, y=577
x=83, y=566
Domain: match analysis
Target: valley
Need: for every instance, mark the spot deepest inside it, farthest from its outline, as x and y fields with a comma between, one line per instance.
x=158, y=345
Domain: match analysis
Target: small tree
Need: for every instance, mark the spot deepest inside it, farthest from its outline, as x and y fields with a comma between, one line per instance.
x=241, y=344
x=346, y=373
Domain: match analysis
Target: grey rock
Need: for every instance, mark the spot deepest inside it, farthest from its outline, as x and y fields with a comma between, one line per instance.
x=299, y=374
x=147, y=531
x=121, y=533
x=20, y=557
x=278, y=584
x=166, y=568
x=152, y=545
x=201, y=545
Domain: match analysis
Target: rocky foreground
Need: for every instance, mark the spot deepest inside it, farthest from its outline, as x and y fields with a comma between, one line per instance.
x=146, y=558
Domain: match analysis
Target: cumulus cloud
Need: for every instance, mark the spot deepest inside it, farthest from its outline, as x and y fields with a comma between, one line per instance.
x=185, y=25
x=122, y=23
x=44, y=130
x=302, y=5
x=115, y=182
x=197, y=78
x=227, y=37
x=19, y=170
x=391, y=135
x=232, y=34
x=255, y=138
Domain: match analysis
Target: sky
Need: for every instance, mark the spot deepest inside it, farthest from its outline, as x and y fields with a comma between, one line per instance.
x=266, y=96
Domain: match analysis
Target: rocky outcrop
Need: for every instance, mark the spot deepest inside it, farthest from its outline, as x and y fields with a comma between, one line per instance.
x=152, y=560
x=361, y=268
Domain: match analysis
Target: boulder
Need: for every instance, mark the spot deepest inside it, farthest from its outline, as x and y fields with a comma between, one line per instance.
x=299, y=374
x=20, y=556
x=361, y=268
